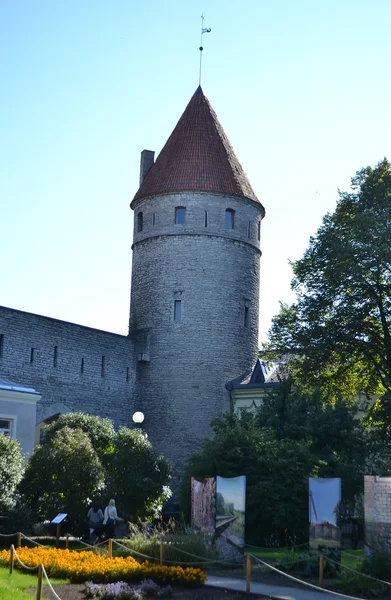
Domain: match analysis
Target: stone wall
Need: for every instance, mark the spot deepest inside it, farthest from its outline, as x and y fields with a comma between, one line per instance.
x=73, y=367
x=377, y=511
x=214, y=273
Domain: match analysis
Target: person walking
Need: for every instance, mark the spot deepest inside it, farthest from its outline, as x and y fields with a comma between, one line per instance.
x=94, y=522
x=110, y=519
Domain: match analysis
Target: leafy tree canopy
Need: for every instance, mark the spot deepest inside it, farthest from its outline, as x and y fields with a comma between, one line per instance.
x=62, y=475
x=11, y=471
x=276, y=472
x=137, y=475
x=295, y=435
x=338, y=332
x=99, y=430
x=82, y=458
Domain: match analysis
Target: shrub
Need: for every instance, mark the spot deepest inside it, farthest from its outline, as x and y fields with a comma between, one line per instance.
x=181, y=545
x=11, y=471
x=378, y=564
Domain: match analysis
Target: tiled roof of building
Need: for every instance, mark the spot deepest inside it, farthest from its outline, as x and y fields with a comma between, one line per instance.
x=197, y=157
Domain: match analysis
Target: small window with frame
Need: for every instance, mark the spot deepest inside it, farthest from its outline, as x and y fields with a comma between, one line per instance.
x=6, y=426
x=180, y=215
x=140, y=221
x=229, y=218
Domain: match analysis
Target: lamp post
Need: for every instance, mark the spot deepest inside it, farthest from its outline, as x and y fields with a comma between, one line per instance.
x=138, y=418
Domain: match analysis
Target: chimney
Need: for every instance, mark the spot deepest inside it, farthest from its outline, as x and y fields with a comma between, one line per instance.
x=146, y=162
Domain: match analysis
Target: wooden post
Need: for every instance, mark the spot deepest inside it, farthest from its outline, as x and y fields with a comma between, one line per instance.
x=110, y=548
x=321, y=569
x=12, y=558
x=248, y=573
x=39, y=584
x=67, y=542
x=161, y=552
x=19, y=541
x=58, y=530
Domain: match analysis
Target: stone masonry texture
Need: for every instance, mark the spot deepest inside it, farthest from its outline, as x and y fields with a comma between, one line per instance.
x=63, y=385
x=214, y=272
x=377, y=510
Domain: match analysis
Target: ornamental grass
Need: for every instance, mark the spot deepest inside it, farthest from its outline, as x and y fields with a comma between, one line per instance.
x=86, y=565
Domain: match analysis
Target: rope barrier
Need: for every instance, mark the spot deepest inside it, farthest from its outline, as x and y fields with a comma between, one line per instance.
x=22, y=564
x=31, y=540
x=8, y=534
x=206, y=560
x=172, y=562
x=358, y=572
x=49, y=584
x=311, y=585
x=278, y=547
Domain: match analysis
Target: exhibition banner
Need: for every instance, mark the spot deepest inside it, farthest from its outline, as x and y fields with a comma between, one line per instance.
x=230, y=509
x=324, y=499
x=203, y=504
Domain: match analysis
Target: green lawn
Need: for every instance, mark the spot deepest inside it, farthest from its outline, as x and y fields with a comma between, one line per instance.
x=350, y=558
x=12, y=586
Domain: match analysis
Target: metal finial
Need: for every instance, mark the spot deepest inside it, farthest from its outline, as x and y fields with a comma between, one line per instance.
x=203, y=30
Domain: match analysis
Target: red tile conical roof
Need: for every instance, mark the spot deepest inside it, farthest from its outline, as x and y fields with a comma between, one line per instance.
x=197, y=157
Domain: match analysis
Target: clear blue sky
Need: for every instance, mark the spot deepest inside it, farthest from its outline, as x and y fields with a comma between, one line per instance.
x=326, y=494
x=233, y=490
x=302, y=90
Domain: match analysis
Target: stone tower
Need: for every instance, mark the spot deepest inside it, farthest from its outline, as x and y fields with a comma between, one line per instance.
x=195, y=281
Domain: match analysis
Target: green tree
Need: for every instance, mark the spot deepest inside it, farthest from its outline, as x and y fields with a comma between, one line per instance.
x=11, y=471
x=82, y=458
x=340, y=443
x=138, y=477
x=99, y=430
x=338, y=332
x=62, y=475
x=276, y=476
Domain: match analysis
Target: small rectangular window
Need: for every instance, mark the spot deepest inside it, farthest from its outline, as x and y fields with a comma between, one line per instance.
x=102, y=367
x=246, y=316
x=6, y=427
x=229, y=218
x=55, y=356
x=32, y=355
x=180, y=215
x=127, y=374
x=139, y=221
x=82, y=366
x=1, y=344
x=249, y=230
x=177, y=310
x=259, y=230
x=153, y=219
x=206, y=218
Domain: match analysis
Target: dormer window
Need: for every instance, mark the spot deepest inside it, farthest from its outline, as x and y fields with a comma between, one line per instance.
x=229, y=218
x=140, y=221
x=180, y=215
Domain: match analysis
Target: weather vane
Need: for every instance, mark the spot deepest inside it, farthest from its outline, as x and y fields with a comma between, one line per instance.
x=203, y=30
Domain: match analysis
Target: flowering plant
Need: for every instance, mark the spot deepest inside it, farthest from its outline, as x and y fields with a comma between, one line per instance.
x=86, y=566
x=122, y=591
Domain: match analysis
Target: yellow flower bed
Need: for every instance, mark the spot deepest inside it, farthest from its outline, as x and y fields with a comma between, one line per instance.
x=88, y=566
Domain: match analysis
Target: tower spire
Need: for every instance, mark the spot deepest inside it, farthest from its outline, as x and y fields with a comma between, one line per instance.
x=203, y=30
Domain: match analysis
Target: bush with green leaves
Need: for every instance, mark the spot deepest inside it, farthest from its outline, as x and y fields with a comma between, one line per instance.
x=82, y=458
x=137, y=476
x=62, y=475
x=11, y=472
x=179, y=543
